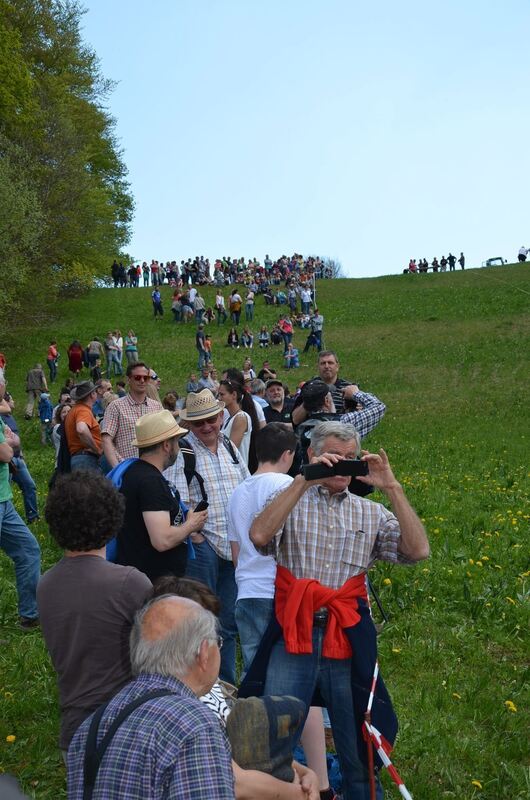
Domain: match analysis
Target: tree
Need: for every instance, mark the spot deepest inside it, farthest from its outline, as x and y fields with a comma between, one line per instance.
x=53, y=120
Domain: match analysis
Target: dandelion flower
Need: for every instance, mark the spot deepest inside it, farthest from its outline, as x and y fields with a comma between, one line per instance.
x=387, y=582
x=11, y=738
x=511, y=600
x=8, y=695
x=510, y=705
x=457, y=696
x=477, y=784
x=396, y=649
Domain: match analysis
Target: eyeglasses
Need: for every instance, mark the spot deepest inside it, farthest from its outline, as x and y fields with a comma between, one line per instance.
x=220, y=642
x=138, y=378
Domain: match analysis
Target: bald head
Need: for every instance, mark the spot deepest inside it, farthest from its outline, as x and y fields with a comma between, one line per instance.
x=165, y=616
x=167, y=637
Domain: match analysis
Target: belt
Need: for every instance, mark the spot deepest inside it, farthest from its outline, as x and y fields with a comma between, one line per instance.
x=86, y=453
x=320, y=618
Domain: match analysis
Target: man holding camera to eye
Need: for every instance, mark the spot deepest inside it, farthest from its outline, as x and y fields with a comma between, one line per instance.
x=118, y=426
x=325, y=539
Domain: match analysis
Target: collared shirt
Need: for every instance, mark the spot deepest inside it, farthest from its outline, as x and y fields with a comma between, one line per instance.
x=365, y=420
x=336, y=393
x=221, y=476
x=171, y=747
x=120, y=419
x=333, y=537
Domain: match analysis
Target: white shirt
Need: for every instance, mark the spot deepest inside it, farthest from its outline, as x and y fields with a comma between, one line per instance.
x=192, y=294
x=255, y=573
x=244, y=446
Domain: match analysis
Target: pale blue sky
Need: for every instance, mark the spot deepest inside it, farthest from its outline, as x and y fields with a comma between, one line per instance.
x=368, y=132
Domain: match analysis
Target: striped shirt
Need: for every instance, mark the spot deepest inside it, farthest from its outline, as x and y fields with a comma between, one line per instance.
x=221, y=476
x=331, y=538
x=170, y=748
x=120, y=419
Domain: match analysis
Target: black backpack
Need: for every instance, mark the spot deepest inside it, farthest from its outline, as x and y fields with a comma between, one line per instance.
x=190, y=462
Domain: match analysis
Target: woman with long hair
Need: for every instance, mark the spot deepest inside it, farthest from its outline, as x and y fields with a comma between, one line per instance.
x=75, y=357
x=241, y=425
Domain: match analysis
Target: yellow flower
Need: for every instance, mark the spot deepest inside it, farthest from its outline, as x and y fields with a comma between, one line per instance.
x=477, y=784
x=471, y=561
x=387, y=582
x=8, y=695
x=479, y=563
x=510, y=705
x=457, y=696
x=396, y=649
x=11, y=738
x=510, y=600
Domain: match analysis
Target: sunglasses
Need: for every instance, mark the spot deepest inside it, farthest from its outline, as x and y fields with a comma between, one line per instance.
x=200, y=422
x=139, y=378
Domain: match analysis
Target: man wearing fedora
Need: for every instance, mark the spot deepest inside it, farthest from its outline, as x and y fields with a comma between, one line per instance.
x=155, y=523
x=83, y=435
x=222, y=469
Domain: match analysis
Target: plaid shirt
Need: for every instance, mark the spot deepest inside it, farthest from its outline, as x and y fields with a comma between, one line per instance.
x=221, y=476
x=171, y=747
x=331, y=538
x=365, y=420
x=120, y=419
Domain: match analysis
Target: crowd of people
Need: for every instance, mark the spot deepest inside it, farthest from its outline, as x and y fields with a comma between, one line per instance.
x=189, y=528
x=422, y=265
x=224, y=271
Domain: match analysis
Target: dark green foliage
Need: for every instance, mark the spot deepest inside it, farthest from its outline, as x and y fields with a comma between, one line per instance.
x=62, y=174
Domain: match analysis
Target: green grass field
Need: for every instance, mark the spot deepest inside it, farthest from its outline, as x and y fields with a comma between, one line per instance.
x=448, y=353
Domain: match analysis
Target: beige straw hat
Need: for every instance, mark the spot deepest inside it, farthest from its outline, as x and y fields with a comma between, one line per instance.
x=155, y=428
x=201, y=405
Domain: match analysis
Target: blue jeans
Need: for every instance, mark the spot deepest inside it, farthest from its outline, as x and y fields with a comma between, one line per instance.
x=218, y=575
x=249, y=312
x=27, y=486
x=52, y=366
x=252, y=617
x=20, y=545
x=84, y=461
x=299, y=675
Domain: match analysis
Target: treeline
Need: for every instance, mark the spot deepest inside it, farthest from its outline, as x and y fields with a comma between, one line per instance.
x=65, y=204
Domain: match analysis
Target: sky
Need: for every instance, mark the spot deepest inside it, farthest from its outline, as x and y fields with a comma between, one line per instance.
x=370, y=133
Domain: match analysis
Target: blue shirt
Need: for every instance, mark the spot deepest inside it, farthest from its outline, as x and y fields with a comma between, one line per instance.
x=170, y=748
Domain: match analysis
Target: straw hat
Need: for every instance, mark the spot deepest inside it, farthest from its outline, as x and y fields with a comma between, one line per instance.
x=155, y=428
x=201, y=405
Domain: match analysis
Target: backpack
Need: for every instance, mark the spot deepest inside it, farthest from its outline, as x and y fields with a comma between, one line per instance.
x=190, y=461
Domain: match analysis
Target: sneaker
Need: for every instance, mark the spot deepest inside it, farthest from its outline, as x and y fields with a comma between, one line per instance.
x=27, y=623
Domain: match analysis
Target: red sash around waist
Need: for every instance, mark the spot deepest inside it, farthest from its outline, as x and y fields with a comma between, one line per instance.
x=296, y=601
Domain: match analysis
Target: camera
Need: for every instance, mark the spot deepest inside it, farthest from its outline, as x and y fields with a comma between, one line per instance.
x=348, y=466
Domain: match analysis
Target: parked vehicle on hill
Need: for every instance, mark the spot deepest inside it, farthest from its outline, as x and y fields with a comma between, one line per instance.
x=494, y=262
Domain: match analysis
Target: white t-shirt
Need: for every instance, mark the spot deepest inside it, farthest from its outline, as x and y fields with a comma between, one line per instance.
x=244, y=446
x=255, y=574
x=192, y=294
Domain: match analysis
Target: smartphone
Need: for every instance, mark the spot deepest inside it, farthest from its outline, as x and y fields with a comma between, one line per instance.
x=349, y=466
x=202, y=505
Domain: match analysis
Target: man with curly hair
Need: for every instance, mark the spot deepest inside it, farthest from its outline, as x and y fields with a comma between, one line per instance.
x=86, y=604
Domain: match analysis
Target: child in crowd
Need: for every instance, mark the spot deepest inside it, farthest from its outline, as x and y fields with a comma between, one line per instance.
x=192, y=384
x=208, y=349
x=96, y=373
x=46, y=417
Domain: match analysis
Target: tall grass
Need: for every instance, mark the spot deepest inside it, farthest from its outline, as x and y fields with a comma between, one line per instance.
x=448, y=353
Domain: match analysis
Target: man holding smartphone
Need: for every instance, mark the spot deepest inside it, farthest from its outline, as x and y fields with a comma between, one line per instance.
x=325, y=539
x=156, y=524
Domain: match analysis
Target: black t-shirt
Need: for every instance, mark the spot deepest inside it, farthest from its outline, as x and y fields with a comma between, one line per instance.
x=336, y=393
x=272, y=415
x=145, y=489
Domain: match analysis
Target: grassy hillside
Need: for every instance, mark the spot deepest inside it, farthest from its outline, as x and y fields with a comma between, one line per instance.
x=448, y=353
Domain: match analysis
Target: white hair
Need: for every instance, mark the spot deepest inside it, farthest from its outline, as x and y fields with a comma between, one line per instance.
x=174, y=654
x=339, y=430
